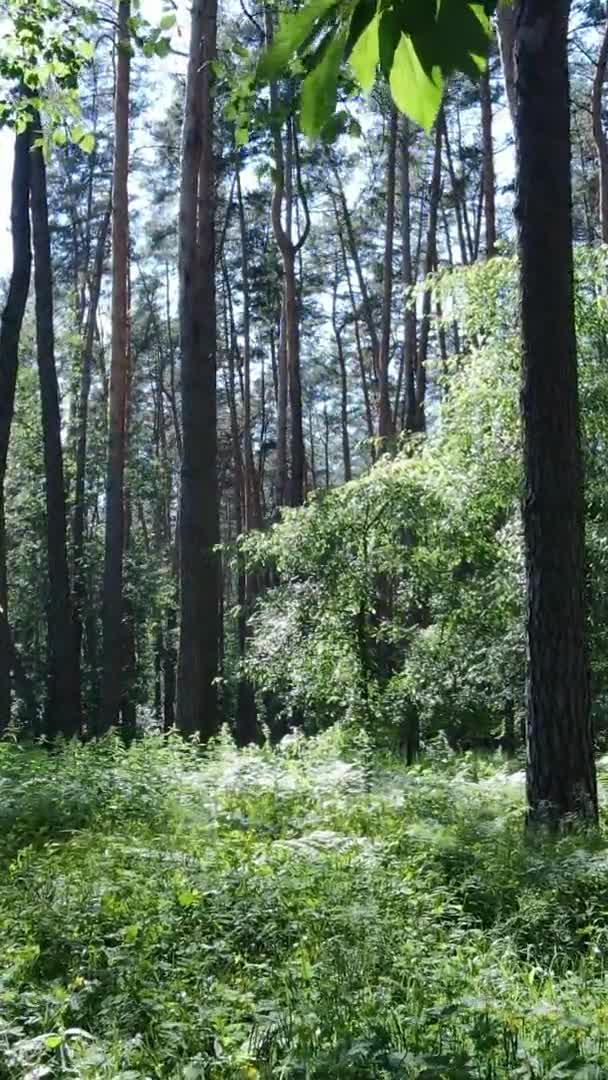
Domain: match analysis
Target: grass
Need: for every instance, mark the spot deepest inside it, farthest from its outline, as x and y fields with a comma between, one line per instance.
x=308, y=912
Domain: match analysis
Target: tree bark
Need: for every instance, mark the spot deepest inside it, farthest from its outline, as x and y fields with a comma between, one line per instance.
x=10, y=333
x=113, y=600
x=410, y=340
x=385, y=414
x=419, y=422
x=80, y=574
x=505, y=20
x=488, y=181
x=200, y=622
x=561, y=774
x=599, y=135
x=63, y=705
x=253, y=511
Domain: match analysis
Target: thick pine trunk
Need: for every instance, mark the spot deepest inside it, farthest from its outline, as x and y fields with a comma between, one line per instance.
x=561, y=774
x=10, y=333
x=113, y=605
x=63, y=706
x=200, y=624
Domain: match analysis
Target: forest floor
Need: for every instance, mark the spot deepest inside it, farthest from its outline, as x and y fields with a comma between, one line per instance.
x=309, y=912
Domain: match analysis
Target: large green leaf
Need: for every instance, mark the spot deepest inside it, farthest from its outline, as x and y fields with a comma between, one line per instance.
x=293, y=30
x=365, y=54
x=416, y=90
x=320, y=87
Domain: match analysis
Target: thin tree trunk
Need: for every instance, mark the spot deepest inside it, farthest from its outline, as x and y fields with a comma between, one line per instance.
x=354, y=254
x=364, y=382
x=346, y=459
x=253, y=512
x=10, y=333
x=505, y=19
x=487, y=149
x=599, y=135
x=200, y=621
x=410, y=342
x=419, y=423
x=113, y=600
x=63, y=704
x=561, y=774
x=80, y=576
x=385, y=414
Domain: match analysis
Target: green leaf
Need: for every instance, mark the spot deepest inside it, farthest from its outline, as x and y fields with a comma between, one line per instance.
x=59, y=137
x=320, y=87
x=162, y=47
x=241, y=136
x=389, y=32
x=86, y=49
x=416, y=91
x=167, y=22
x=87, y=144
x=365, y=55
x=53, y=1041
x=292, y=32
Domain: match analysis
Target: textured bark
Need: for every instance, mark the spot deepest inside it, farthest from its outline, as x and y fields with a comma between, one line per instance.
x=200, y=623
x=10, y=333
x=599, y=135
x=385, y=414
x=561, y=774
x=63, y=704
x=113, y=601
x=488, y=183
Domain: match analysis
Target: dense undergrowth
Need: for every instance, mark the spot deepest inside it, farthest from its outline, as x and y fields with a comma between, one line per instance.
x=310, y=911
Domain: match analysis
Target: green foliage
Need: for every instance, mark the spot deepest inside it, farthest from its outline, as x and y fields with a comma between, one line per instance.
x=309, y=911
x=418, y=43
x=398, y=598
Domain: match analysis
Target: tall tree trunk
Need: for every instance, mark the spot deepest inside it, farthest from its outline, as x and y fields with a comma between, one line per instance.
x=346, y=458
x=253, y=511
x=80, y=575
x=561, y=774
x=385, y=414
x=64, y=675
x=410, y=340
x=113, y=600
x=419, y=423
x=360, y=355
x=505, y=19
x=487, y=149
x=354, y=254
x=599, y=135
x=200, y=622
x=10, y=333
